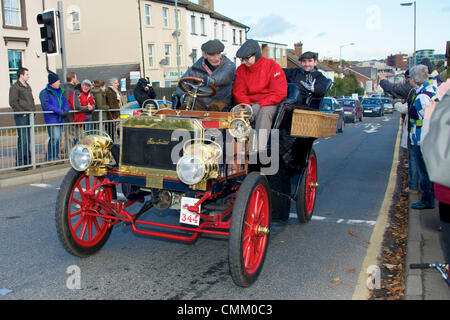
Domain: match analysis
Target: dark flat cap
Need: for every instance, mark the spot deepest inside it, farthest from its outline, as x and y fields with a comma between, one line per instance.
x=309, y=55
x=249, y=48
x=213, y=47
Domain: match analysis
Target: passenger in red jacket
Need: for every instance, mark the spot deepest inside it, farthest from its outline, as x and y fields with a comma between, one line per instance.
x=261, y=83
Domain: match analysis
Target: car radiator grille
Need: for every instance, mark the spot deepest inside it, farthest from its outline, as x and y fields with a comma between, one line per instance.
x=148, y=148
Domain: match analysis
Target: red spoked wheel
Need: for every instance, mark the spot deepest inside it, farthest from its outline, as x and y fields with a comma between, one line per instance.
x=306, y=199
x=81, y=228
x=249, y=230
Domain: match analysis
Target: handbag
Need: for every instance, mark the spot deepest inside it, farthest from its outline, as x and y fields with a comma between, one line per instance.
x=436, y=144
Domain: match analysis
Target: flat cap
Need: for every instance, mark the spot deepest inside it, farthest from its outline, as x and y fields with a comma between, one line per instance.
x=249, y=48
x=213, y=47
x=309, y=55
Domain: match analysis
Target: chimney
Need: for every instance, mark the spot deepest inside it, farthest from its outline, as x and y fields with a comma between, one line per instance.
x=207, y=4
x=298, y=48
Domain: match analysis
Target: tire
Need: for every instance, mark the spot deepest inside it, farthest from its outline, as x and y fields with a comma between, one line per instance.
x=81, y=235
x=247, y=248
x=306, y=198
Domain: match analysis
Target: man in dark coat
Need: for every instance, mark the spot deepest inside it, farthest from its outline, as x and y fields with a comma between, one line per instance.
x=398, y=91
x=21, y=100
x=214, y=68
x=312, y=83
x=144, y=91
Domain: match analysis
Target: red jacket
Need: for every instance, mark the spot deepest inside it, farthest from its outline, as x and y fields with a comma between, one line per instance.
x=85, y=99
x=442, y=193
x=264, y=83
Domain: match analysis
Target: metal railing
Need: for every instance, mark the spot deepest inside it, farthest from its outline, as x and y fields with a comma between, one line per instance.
x=32, y=144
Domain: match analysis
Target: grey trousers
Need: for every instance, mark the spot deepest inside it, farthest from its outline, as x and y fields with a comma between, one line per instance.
x=263, y=118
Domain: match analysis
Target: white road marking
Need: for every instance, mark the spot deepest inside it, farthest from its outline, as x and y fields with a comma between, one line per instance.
x=369, y=223
x=5, y=291
x=42, y=185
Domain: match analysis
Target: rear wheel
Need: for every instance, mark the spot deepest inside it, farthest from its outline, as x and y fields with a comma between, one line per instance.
x=249, y=231
x=306, y=199
x=81, y=233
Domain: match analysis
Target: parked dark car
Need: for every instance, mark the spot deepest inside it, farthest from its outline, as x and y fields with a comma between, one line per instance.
x=352, y=109
x=331, y=105
x=387, y=105
x=373, y=107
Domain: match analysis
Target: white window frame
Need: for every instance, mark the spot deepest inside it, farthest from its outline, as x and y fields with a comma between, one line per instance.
x=13, y=13
x=148, y=14
x=203, y=26
x=223, y=31
x=167, y=53
x=176, y=17
x=216, y=25
x=193, y=24
x=165, y=17
x=151, y=55
x=180, y=54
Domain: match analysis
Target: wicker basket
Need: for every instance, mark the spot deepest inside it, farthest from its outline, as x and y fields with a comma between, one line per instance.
x=313, y=124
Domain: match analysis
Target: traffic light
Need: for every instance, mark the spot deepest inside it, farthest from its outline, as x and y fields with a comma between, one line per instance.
x=49, y=32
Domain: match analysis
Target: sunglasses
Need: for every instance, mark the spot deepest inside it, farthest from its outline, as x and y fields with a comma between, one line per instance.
x=247, y=58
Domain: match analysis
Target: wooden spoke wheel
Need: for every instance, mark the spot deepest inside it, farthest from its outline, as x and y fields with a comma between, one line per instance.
x=80, y=232
x=249, y=231
x=306, y=198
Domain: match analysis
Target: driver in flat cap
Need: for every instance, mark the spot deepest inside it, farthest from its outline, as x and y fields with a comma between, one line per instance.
x=309, y=79
x=214, y=68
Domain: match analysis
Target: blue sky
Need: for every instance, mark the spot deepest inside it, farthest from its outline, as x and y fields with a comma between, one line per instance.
x=378, y=28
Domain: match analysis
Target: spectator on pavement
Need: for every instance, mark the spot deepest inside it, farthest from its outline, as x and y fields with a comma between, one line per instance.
x=21, y=100
x=261, y=83
x=143, y=91
x=52, y=99
x=424, y=91
x=437, y=143
x=87, y=102
x=214, y=68
x=99, y=93
x=405, y=92
x=114, y=102
x=69, y=87
x=312, y=83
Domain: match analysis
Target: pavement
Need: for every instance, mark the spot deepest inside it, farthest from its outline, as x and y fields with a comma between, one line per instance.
x=424, y=246
x=424, y=240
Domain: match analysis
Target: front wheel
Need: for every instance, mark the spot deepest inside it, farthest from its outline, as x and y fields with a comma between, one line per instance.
x=80, y=232
x=306, y=198
x=249, y=231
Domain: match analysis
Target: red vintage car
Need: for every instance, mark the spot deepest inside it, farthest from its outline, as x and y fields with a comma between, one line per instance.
x=213, y=184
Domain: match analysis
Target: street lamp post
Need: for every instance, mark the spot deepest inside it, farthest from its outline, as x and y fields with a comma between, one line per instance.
x=409, y=4
x=340, y=52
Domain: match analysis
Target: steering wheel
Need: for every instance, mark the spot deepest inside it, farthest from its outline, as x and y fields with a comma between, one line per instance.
x=196, y=85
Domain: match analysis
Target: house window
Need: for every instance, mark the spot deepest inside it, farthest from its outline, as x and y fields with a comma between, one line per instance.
x=75, y=16
x=167, y=48
x=240, y=37
x=193, y=25
x=14, y=13
x=215, y=30
x=165, y=13
x=14, y=63
x=202, y=26
x=148, y=15
x=151, y=55
x=177, y=18
x=234, y=36
x=194, y=55
x=179, y=55
x=223, y=32
x=277, y=53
